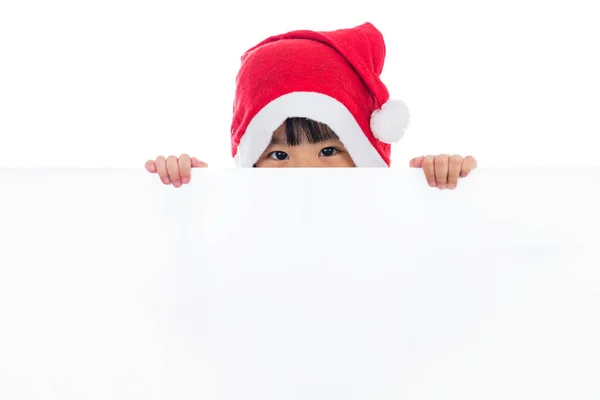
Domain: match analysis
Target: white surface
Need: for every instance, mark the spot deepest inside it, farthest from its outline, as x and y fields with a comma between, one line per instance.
x=113, y=83
x=299, y=284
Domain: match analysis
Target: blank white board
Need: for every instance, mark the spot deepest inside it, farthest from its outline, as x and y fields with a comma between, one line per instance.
x=299, y=284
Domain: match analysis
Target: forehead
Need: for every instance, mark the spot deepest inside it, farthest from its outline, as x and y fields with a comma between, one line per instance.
x=278, y=136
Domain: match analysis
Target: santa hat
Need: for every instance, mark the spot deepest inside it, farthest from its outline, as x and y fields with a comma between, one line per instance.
x=331, y=77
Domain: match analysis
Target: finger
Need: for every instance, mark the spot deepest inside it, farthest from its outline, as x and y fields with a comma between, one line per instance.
x=185, y=168
x=198, y=164
x=173, y=170
x=441, y=171
x=454, y=168
x=429, y=170
x=416, y=162
x=161, y=168
x=150, y=166
x=468, y=164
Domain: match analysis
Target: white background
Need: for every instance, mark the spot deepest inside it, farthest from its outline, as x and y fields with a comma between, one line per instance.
x=249, y=284
x=113, y=83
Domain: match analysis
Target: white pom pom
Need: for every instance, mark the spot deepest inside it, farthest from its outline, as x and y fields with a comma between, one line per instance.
x=389, y=124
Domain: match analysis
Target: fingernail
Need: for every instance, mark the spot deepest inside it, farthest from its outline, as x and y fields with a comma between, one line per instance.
x=441, y=186
x=432, y=183
x=177, y=184
x=166, y=181
x=451, y=186
x=185, y=180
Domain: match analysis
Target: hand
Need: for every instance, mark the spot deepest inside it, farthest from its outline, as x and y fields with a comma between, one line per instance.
x=443, y=171
x=177, y=171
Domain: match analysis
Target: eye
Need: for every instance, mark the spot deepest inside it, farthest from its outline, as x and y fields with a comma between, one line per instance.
x=279, y=155
x=328, y=152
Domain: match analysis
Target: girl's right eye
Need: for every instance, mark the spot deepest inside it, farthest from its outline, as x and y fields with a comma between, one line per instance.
x=279, y=155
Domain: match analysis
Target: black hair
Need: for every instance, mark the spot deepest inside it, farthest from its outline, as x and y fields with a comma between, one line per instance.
x=298, y=130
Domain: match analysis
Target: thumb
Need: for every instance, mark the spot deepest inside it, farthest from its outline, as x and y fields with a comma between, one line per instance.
x=416, y=162
x=198, y=164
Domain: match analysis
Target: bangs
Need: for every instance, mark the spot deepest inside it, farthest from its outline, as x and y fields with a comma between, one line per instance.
x=304, y=130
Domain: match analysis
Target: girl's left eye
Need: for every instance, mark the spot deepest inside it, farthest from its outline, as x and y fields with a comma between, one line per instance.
x=328, y=152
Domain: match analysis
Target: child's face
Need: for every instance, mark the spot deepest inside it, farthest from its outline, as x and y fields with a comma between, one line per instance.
x=329, y=154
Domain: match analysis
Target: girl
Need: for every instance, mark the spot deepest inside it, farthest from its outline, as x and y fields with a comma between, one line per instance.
x=315, y=99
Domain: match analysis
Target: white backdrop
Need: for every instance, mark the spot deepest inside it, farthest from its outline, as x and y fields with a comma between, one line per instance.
x=112, y=83
x=299, y=284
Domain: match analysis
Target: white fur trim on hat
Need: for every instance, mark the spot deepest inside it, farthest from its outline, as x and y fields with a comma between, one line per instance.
x=316, y=106
x=390, y=122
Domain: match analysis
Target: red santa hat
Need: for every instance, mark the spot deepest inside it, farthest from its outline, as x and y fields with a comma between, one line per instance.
x=331, y=77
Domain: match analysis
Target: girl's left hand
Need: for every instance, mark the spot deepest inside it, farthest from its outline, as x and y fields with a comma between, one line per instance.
x=443, y=171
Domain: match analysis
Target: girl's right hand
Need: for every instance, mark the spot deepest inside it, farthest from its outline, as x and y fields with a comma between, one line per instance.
x=173, y=170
